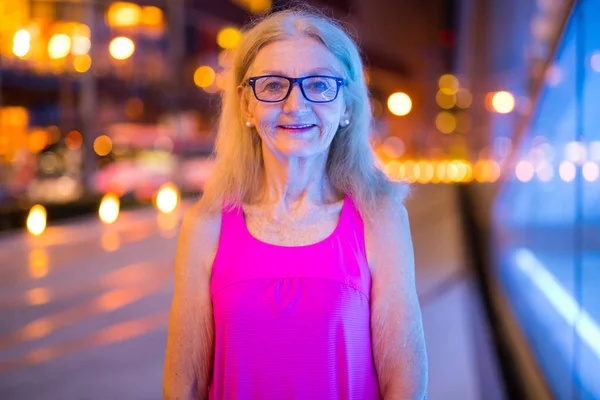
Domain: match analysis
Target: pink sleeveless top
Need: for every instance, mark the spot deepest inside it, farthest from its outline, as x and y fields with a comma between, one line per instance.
x=292, y=322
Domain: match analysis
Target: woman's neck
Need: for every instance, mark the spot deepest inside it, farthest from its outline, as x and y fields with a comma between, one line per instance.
x=295, y=183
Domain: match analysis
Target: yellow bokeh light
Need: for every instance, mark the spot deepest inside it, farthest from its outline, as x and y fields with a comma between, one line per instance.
x=82, y=63
x=255, y=6
x=486, y=171
x=445, y=122
x=152, y=16
x=59, y=46
x=440, y=171
x=21, y=43
x=121, y=48
x=408, y=170
x=399, y=104
x=448, y=84
x=102, y=145
x=109, y=208
x=503, y=102
x=464, y=98
x=36, y=220
x=426, y=171
x=123, y=14
x=167, y=198
x=37, y=140
x=452, y=172
x=204, y=76
x=229, y=37
x=445, y=100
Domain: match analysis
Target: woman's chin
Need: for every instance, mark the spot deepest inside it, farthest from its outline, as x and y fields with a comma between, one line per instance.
x=290, y=150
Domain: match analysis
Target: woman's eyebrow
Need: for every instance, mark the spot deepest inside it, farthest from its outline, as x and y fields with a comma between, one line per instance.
x=311, y=72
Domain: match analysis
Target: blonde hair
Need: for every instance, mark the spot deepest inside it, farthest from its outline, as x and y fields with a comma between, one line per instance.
x=351, y=166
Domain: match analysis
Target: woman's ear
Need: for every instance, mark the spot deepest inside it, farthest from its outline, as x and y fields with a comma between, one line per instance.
x=243, y=101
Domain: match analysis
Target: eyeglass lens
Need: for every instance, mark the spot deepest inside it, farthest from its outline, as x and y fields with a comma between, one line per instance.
x=318, y=88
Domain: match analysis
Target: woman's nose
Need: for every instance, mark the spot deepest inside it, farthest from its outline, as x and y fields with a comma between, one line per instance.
x=295, y=101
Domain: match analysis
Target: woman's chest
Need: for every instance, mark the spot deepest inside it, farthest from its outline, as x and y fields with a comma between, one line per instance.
x=289, y=231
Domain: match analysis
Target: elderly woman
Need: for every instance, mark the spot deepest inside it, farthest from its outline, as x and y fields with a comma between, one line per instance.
x=295, y=272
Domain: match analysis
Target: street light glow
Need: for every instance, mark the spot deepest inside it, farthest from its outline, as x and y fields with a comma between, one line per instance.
x=121, y=48
x=399, y=104
x=36, y=220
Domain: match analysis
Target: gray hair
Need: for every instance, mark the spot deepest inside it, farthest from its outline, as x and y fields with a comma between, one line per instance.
x=351, y=165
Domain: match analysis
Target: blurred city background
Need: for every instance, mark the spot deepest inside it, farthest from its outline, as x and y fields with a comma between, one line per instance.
x=489, y=107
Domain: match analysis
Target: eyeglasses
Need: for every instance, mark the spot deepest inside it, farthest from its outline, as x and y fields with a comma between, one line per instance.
x=314, y=88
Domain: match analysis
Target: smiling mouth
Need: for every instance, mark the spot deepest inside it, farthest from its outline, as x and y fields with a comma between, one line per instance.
x=297, y=126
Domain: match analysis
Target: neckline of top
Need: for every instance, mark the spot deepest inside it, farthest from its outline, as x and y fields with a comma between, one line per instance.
x=320, y=242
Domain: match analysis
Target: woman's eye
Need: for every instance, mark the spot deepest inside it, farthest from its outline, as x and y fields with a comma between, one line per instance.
x=273, y=86
x=318, y=86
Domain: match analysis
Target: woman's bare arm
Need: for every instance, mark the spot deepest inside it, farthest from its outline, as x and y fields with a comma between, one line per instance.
x=190, y=342
x=396, y=327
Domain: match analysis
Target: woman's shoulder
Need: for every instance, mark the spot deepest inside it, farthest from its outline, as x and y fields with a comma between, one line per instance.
x=201, y=218
x=199, y=234
x=390, y=202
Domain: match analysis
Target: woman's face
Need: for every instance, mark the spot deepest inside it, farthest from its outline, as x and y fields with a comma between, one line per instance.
x=296, y=127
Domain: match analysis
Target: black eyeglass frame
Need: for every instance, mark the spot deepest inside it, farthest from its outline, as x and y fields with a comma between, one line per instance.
x=339, y=83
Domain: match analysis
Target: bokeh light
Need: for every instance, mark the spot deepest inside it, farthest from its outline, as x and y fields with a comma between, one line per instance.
x=36, y=220
x=37, y=140
x=464, y=98
x=152, y=16
x=590, y=171
x=123, y=14
x=204, y=76
x=82, y=63
x=229, y=37
x=21, y=43
x=595, y=61
x=399, y=104
x=544, y=171
x=575, y=152
x=567, y=171
x=121, y=48
x=524, y=171
x=393, y=147
x=109, y=208
x=445, y=122
x=167, y=198
x=73, y=140
x=81, y=45
x=102, y=145
x=59, y=46
x=503, y=102
x=445, y=100
x=448, y=84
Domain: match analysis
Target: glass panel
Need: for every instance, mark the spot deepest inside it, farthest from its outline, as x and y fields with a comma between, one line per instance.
x=589, y=322
x=536, y=220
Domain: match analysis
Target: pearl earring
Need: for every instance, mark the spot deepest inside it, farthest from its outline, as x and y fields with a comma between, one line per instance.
x=345, y=123
x=249, y=124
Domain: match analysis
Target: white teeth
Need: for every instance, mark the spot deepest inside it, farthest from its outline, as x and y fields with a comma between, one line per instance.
x=296, y=126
